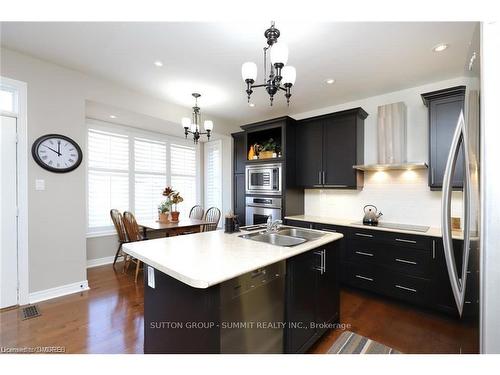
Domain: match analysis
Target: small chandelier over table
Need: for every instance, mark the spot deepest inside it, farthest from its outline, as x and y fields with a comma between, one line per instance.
x=279, y=73
x=192, y=125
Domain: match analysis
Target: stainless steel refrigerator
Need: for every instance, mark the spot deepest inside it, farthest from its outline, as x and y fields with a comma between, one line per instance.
x=463, y=257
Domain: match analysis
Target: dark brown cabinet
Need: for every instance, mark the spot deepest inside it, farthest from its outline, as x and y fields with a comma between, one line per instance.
x=239, y=152
x=239, y=158
x=312, y=296
x=410, y=268
x=327, y=148
x=309, y=158
x=444, y=110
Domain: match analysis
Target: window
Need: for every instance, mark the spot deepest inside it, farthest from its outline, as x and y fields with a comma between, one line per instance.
x=108, y=185
x=183, y=168
x=8, y=99
x=150, y=177
x=213, y=175
x=128, y=170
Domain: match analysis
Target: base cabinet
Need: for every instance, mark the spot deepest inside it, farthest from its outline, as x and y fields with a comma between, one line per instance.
x=312, y=297
x=409, y=268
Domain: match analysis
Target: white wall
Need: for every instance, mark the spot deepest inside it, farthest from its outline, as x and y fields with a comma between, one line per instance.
x=402, y=199
x=56, y=104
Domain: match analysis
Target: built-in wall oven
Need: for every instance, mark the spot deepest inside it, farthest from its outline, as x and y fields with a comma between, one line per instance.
x=263, y=179
x=259, y=209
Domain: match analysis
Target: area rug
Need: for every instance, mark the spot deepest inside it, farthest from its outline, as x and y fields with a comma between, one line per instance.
x=352, y=343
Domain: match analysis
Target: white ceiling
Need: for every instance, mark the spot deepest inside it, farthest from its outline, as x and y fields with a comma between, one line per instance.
x=365, y=59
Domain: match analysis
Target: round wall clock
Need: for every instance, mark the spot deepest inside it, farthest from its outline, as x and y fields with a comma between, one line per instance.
x=57, y=153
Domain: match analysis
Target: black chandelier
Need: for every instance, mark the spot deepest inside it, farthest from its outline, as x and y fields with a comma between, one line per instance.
x=279, y=73
x=192, y=125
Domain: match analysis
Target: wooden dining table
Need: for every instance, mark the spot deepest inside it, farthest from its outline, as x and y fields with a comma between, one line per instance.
x=174, y=228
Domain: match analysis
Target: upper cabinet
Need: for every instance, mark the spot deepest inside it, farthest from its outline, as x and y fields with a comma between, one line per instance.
x=239, y=152
x=444, y=110
x=327, y=147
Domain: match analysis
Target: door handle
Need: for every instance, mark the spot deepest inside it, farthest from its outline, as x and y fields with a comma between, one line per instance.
x=405, y=261
x=364, y=235
x=409, y=241
x=406, y=288
x=365, y=254
x=321, y=267
x=364, y=278
x=319, y=178
x=458, y=282
x=324, y=179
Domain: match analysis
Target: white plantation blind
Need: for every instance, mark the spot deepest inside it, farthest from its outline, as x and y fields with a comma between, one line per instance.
x=128, y=170
x=150, y=177
x=108, y=179
x=213, y=174
x=183, y=169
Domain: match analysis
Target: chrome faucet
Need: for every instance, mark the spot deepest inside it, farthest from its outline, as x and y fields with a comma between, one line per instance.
x=273, y=225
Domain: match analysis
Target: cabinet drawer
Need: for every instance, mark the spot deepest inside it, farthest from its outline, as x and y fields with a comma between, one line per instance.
x=299, y=223
x=363, y=234
x=413, y=262
x=360, y=276
x=362, y=251
x=408, y=240
x=407, y=288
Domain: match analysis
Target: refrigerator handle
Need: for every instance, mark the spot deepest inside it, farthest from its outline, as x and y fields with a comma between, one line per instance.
x=458, y=282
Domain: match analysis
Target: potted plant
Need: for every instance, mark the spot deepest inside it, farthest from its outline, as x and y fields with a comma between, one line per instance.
x=175, y=198
x=163, y=210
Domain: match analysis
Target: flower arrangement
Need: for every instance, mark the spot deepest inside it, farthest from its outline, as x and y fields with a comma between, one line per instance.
x=173, y=198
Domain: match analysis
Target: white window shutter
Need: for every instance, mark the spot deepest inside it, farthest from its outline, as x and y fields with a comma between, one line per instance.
x=183, y=167
x=213, y=174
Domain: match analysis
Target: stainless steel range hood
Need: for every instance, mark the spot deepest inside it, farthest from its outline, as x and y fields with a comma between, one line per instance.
x=391, y=140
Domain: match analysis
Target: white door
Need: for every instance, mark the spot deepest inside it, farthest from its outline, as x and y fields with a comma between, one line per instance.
x=8, y=212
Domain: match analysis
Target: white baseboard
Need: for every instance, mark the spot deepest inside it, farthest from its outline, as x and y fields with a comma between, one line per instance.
x=102, y=261
x=59, y=291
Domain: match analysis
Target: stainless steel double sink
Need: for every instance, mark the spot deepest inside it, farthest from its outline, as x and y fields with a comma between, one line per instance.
x=285, y=236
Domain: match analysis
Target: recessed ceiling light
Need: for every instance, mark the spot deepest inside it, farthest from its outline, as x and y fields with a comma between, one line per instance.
x=112, y=116
x=440, y=47
x=251, y=105
x=330, y=81
x=158, y=63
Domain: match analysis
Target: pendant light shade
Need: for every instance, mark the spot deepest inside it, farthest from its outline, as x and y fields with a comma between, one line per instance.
x=289, y=74
x=194, y=128
x=186, y=122
x=208, y=125
x=249, y=71
x=279, y=53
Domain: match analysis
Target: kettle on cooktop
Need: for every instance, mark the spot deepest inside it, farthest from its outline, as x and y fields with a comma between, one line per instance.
x=371, y=215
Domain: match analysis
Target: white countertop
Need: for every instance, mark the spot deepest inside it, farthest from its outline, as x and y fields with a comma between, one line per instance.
x=209, y=258
x=432, y=232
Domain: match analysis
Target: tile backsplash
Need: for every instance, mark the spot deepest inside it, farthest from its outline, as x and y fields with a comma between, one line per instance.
x=402, y=196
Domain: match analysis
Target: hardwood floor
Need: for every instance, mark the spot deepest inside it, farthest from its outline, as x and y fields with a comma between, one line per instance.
x=109, y=319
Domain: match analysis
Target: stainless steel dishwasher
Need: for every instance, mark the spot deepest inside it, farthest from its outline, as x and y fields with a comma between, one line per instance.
x=252, y=311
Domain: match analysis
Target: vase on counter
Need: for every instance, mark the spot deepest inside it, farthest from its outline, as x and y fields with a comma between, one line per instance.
x=175, y=216
x=163, y=217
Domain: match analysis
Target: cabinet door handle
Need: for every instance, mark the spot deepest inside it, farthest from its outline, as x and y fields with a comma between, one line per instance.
x=319, y=177
x=324, y=261
x=406, y=288
x=364, y=235
x=364, y=278
x=365, y=254
x=335, y=186
x=320, y=268
x=405, y=261
x=433, y=249
x=324, y=179
x=408, y=241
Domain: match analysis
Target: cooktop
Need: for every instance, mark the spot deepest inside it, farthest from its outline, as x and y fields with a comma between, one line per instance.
x=409, y=227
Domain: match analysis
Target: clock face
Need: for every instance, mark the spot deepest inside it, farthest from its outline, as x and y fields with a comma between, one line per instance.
x=57, y=153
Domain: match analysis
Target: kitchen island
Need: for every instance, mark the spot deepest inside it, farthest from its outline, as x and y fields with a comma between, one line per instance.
x=214, y=292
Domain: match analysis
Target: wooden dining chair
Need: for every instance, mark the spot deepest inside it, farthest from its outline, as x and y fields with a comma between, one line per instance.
x=117, y=219
x=213, y=216
x=196, y=212
x=133, y=234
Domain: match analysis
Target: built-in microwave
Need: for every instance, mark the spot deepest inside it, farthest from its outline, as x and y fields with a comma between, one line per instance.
x=263, y=179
